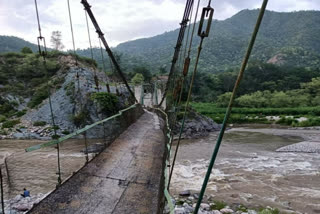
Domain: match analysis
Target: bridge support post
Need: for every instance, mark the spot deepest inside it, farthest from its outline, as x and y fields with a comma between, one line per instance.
x=86, y=145
x=1, y=187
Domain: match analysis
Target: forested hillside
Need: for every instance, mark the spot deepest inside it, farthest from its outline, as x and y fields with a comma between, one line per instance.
x=292, y=36
x=290, y=39
x=14, y=44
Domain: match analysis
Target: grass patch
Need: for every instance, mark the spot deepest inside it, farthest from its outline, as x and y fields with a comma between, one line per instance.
x=40, y=123
x=10, y=123
x=218, y=205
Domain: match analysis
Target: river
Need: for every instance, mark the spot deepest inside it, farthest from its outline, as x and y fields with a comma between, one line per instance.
x=249, y=171
x=38, y=170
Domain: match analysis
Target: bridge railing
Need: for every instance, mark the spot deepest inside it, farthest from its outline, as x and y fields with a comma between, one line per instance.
x=169, y=201
x=37, y=168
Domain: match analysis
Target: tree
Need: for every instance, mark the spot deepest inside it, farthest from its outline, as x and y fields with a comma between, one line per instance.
x=56, y=42
x=26, y=50
x=138, y=79
x=144, y=71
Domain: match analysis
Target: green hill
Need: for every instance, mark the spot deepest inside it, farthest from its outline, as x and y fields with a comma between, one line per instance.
x=290, y=39
x=292, y=33
x=15, y=44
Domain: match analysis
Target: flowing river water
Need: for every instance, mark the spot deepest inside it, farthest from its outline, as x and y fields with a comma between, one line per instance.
x=38, y=170
x=249, y=171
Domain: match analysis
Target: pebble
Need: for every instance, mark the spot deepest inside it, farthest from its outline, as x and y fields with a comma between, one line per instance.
x=226, y=210
x=205, y=206
x=185, y=193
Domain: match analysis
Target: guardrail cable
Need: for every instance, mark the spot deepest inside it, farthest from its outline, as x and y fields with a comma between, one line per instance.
x=228, y=111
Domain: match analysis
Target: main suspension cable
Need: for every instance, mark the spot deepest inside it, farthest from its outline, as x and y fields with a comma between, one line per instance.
x=101, y=36
x=183, y=24
x=229, y=109
x=187, y=63
x=104, y=66
x=96, y=80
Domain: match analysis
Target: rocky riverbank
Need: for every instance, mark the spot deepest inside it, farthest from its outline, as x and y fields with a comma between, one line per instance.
x=19, y=204
x=196, y=126
x=185, y=203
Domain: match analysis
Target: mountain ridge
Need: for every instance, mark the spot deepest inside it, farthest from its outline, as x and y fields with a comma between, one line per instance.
x=293, y=34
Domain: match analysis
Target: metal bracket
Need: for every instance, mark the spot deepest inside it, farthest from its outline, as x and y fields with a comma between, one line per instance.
x=206, y=12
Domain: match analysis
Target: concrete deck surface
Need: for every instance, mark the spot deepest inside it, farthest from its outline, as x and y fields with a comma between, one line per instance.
x=125, y=178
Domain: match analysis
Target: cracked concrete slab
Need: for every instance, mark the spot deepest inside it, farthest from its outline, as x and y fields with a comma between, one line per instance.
x=125, y=178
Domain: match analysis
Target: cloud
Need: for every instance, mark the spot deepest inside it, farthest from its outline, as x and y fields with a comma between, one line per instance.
x=121, y=20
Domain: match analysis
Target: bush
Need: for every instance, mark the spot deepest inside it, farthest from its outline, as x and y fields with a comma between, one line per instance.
x=80, y=118
x=287, y=121
x=65, y=132
x=2, y=118
x=107, y=102
x=37, y=98
x=10, y=123
x=39, y=123
x=21, y=113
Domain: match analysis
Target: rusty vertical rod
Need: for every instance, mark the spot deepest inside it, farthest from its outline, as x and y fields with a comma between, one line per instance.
x=1, y=187
x=86, y=145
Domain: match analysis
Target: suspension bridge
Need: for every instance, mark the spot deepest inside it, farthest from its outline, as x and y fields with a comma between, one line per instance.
x=132, y=173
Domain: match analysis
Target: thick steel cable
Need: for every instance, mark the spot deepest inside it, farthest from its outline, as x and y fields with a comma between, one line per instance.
x=183, y=24
x=43, y=54
x=104, y=66
x=228, y=111
x=101, y=36
x=189, y=93
x=88, y=29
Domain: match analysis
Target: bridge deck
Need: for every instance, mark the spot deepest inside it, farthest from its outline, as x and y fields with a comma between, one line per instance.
x=125, y=178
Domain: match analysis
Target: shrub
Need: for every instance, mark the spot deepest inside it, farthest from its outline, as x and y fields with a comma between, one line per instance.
x=39, y=123
x=65, y=132
x=2, y=118
x=287, y=121
x=80, y=118
x=21, y=113
x=10, y=123
x=107, y=102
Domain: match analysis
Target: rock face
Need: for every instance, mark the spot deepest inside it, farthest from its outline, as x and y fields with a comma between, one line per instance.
x=196, y=126
x=68, y=98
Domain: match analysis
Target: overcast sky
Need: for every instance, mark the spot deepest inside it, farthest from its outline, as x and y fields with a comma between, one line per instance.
x=120, y=20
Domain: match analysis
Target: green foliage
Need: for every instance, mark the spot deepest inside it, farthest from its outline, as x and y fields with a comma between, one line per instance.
x=40, y=95
x=107, y=102
x=10, y=123
x=80, y=118
x=26, y=50
x=2, y=118
x=291, y=34
x=218, y=205
x=39, y=123
x=269, y=211
x=65, y=132
x=21, y=113
x=289, y=121
x=137, y=79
